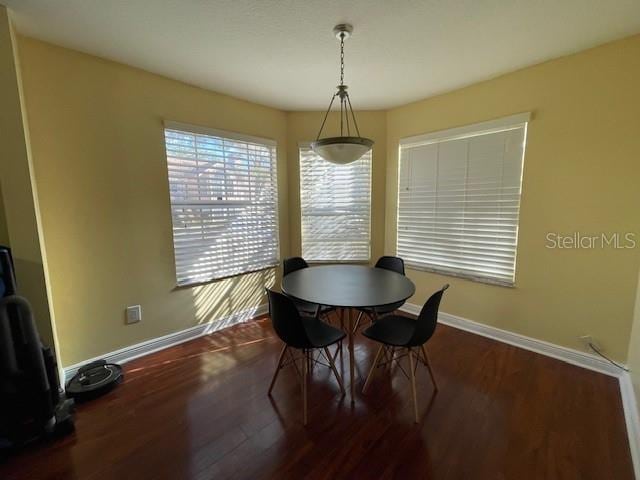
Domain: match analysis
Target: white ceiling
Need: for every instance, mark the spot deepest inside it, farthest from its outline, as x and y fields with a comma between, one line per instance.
x=282, y=53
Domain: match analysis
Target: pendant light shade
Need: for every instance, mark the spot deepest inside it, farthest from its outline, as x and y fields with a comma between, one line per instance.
x=342, y=150
x=345, y=148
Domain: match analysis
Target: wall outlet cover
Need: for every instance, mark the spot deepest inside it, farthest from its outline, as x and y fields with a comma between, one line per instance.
x=133, y=314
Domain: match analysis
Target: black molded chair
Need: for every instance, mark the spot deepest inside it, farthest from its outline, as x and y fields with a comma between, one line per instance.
x=409, y=336
x=293, y=264
x=304, y=335
x=395, y=264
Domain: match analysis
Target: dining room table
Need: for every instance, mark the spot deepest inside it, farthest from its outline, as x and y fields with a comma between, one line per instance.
x=351, y=288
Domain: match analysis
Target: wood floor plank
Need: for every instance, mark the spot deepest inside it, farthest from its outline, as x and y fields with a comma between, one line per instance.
x=200, y=410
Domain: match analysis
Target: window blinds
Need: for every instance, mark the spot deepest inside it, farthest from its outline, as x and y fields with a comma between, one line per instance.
x=459, y=200
x=223, y=203
x=335, y=207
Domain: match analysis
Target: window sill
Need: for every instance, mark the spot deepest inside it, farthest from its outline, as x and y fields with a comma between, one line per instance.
x=338, y=262
x=200, y=283
x=465, y=276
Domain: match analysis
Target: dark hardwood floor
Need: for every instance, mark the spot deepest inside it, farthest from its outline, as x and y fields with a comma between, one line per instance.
x=200, y=410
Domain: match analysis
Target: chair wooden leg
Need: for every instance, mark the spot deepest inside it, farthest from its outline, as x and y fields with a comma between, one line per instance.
x=294, y=361
x=278, y=367
x=305, y=365
x=428, y=363
x=335, y=370
x=340, y=314
x=338, y=347
x=355, y=329
x=373, y=367
x=413, y=385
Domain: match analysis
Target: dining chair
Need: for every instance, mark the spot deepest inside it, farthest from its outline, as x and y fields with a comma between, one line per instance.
x=395, y=332
x=387, y=262
x=303, y=335
x=293, y=264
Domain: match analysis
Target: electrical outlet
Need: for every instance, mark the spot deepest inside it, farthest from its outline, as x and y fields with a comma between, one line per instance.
x=587, y=341
x=133, y=314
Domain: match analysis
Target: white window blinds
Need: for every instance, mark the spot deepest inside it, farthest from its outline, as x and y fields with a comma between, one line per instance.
x=459, y=200
x=335, y=205
x=223, y=202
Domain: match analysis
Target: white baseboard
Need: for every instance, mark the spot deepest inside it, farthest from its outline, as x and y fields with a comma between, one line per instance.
x=569, y=355
x=630, y=406
x=126, y=354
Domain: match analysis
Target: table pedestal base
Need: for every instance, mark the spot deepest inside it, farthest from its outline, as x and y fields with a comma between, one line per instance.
x=351, y=355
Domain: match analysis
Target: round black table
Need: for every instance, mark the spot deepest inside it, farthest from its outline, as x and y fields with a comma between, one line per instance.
x=349, y=287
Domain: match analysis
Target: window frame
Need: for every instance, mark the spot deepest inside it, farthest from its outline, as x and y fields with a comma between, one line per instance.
x=307, y=145
x=519, y=120
x=188, y=128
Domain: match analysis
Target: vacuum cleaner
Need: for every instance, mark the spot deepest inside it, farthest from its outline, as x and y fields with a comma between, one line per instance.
x=33, y=405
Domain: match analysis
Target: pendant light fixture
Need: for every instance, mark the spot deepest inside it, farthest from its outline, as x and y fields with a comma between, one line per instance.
x=345, y=148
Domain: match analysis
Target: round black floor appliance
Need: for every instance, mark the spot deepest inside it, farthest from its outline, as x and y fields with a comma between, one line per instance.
x=93, y=380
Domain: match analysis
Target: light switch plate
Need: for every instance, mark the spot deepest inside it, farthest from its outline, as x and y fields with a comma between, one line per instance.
x=133, y=314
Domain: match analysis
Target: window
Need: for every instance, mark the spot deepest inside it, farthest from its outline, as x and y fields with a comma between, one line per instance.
x=222, y=188
x=335, y=206
x=459, y=200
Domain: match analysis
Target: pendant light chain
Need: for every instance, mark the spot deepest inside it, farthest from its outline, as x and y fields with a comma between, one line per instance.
x=343, y=109
x=342, y=59
x=346, y=100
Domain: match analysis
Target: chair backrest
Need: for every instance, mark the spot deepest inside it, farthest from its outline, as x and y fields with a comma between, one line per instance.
x=292, y=264
x=7, y=275
x=286, y=320
x=427, y=320
x=395, y=264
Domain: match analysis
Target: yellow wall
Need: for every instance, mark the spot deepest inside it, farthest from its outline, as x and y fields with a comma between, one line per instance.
x=303, y=127
x=98, y=151
x=581, y=175
x=20, y=218
x=98, y=154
